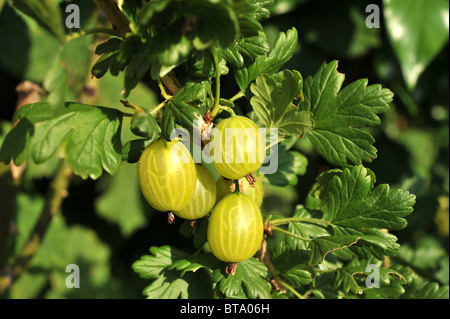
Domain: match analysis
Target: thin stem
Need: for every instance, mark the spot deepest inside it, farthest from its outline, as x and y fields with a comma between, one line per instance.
x=139, y=109
x=114, y=16
x=166, y=96
x=128, y=104
x=171, y=82
x=306, y=294
x=281, y=230
x=228, y=109
x=279, y=140
x=215, y=109
x=265, y=259
x=157, y=108
x=237, y=186
x=237, y=96
x=268, y=219
x=323, y=270
x=290, y=288
x=76, y=35
x=288, y=220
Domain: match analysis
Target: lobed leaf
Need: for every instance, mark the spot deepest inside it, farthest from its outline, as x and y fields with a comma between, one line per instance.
x=249, y=281
x=282, y=51
x=176, y=274
x=353, y=204
x=274, y=106
x=292, y=264
x=91, y=136
x=303, y=229
x=341, y=115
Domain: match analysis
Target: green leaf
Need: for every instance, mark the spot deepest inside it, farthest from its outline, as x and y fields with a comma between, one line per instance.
x=86, y=250
x=303, y=229
x=30, y=50
x=251, y=47
x=290, y=164
x=5, y=127
x=429, y=256
x=32, y=205
x=341, y=115
x=199, y=235
x=138, y=65
x=353, y=204
x=261, y=9
x=193, y=263
x=432, y=291
x=168, y=123
x=345, y=278
x=129, y=9
x=274, y=106
x=111, y=45
x=151, y=9
x=91, y=136
x=17, y=143
x=417, y=30
x=171, y=286
x=176, y=273
x=357, y=212
x=109, y=60
x=132, y=150
x=282, y=52
x=128, y=47
x=167, y=257
x=371, y=243
x=46, y=13
x=201, y=64
x=184, y=105
x=322, y=246
x=55, y=81
x=103, y=64
x=216, y=20
x=150, y=266
x=351, y=277
x=292, y=264
x=249, y=280
x=318, y=194
x=145, y=125
x=170, y=48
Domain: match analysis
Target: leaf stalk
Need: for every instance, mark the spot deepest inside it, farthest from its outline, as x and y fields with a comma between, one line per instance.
x=216, y=106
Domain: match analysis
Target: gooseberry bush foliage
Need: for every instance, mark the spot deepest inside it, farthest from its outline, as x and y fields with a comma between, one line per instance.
x=323, y=249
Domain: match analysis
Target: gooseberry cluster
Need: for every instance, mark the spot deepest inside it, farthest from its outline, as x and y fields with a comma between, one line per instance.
x=171, y=182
